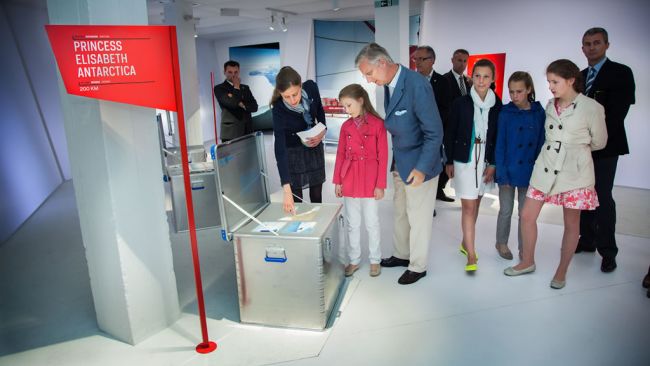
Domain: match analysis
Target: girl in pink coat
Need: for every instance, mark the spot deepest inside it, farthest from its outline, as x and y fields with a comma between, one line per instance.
x=360, y=173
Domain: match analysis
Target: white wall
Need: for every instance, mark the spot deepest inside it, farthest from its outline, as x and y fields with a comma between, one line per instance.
x=206, y=62
x=33, y=151
x=535, y=33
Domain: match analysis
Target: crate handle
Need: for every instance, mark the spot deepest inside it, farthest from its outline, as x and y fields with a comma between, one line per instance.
x=275, y=255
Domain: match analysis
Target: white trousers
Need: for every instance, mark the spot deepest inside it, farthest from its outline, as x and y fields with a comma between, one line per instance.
x=353, y=210
x=413, y=221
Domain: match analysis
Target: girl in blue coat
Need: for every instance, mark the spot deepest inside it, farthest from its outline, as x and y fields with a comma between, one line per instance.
x=520, y=137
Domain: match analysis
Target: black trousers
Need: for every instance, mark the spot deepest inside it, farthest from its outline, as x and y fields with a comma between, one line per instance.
x=315, y=194
x=443, y=178
x=597, y=228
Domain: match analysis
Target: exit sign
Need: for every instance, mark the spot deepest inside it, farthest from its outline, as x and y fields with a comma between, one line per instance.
x=385, y=3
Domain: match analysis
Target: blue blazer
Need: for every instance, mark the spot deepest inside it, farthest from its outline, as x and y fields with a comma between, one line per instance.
x=414, y=123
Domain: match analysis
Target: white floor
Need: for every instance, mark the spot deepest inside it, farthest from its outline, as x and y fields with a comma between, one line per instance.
x=447, y=318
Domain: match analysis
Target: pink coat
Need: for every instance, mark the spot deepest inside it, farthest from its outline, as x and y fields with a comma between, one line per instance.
x=362, y=158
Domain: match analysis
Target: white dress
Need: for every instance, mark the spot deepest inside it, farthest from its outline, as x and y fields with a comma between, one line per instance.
x=468, y=177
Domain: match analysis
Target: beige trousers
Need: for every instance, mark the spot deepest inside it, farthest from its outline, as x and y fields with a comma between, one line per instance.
x=413, y=221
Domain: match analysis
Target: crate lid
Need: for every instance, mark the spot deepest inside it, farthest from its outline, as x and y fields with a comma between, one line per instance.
x=241, y=174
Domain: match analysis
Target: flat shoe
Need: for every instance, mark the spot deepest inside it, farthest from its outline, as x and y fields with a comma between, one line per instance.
x=510, y=271
x=504, y=251
x=350, y=269
x=471, y=267
x=375, y=270
x=557, y=284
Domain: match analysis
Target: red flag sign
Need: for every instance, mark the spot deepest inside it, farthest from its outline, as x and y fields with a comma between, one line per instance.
x=127, y=64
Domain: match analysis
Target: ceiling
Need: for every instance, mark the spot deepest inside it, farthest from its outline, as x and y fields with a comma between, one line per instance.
x=254, y=17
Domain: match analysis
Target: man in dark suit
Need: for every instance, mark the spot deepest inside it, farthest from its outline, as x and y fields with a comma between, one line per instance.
x=456, y=74
x=424, y=58
x=612, y=85
x=236, y=102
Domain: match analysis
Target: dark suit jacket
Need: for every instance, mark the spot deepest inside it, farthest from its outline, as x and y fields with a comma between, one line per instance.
x=459, y=137
x=442, y=93
x=453, y=85
x=614, y=89
x=235, y=121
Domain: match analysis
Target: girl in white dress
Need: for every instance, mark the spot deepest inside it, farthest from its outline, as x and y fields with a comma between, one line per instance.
x=469, y=143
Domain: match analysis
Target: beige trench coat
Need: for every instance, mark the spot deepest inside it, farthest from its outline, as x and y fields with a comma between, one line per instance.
x=565, y=162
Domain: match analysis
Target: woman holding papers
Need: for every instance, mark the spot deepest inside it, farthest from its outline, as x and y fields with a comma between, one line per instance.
x=296, y=108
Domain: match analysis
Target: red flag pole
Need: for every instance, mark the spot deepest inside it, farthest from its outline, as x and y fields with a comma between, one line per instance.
x=206, y=346
x=214, y=109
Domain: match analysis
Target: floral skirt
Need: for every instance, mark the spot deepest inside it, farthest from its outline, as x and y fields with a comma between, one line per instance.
x=579, y=199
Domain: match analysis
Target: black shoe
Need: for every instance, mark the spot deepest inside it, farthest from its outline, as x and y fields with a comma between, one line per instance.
x=583, y=247
x=646, y=281
x=394, y=262
x=443, y=197
x=434, y=213
x=409, y=277
x=608, y=265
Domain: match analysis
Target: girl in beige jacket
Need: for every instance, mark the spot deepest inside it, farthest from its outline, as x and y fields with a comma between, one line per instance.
x=564, y=171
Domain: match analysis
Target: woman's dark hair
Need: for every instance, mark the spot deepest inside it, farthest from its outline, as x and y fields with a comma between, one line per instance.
x=356, y=92
x=528, y=82
x=286, y=78
x=567, y=70
x=485, y=63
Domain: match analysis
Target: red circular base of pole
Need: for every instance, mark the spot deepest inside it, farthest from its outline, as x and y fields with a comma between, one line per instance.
x=206, y=347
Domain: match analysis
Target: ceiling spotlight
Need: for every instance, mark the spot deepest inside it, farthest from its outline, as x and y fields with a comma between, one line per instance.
x=272, y=25
x=283, y=24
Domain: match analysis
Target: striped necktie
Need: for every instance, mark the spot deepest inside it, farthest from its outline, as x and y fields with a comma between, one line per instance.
x=461, y=83
x=591, y=76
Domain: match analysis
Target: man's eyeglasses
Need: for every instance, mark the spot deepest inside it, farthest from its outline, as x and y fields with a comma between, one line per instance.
x=420, y=59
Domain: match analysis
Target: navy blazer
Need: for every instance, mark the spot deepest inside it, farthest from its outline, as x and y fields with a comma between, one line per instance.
x=414, y=123
x=453, y=85
x=459, y=137
x=614, y=89
x=287, y=122
x=442, y=92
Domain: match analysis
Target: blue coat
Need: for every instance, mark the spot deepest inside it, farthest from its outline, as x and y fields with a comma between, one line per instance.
x=414, y=123
x=520, y=136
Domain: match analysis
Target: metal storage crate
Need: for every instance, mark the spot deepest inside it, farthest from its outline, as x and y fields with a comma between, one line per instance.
x=291, y=279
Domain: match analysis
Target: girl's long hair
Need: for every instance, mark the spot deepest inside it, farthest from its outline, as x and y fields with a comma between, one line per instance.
x=356, y=92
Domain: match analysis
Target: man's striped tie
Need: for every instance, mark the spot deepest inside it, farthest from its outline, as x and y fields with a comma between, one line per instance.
x=591, y=76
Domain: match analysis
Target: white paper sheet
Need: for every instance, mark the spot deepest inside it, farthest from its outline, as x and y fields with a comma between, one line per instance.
x=304, y=135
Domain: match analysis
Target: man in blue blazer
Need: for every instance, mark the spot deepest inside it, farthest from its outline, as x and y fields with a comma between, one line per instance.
x=414, y=123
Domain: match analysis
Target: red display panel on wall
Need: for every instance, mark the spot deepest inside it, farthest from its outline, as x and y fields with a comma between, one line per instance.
x=127, y=64
x=499, y=60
